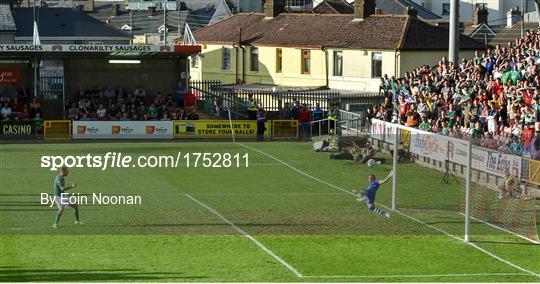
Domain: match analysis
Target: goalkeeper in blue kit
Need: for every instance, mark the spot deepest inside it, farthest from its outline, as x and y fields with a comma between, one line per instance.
x=368, y=195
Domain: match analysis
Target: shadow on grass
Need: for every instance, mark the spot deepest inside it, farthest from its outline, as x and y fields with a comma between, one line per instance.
x=11, y=274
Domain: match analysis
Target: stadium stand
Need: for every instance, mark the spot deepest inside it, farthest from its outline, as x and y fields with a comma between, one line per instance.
x=494, y=97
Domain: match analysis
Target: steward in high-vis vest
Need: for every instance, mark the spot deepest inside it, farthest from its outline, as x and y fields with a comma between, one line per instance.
x=252, y=108
x=333, y=117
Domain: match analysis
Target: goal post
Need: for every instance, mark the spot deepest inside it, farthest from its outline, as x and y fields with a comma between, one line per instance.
x=468, y=181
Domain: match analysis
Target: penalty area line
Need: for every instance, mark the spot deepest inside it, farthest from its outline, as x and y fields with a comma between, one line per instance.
x=251, y=238
x=494, y=256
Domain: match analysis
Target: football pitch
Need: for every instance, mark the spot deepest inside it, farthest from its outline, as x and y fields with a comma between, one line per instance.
x=287, y=217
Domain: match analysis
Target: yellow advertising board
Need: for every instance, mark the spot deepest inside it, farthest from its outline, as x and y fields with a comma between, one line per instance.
x=217, y=129
x=534, y=172
x=285, y=129
x=57, y=129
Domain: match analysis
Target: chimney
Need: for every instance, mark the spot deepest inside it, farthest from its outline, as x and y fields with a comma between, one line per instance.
x=411, y=12
x=115, y=9
x=151, y=11
x=89, y=6
x=363, y=9
x=481, y=16
x=512, y=17
x=378, y=11
x=272, y=8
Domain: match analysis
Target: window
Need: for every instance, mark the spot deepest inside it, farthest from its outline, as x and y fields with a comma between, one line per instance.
x=376, y=65
x=254, y=62
x=306, y=61
x=226, y=59
x=279, y=60
x=338, y=63
x=446, y=8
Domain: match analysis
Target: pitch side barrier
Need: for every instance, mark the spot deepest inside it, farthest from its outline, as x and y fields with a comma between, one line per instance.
x=439, y=149
x=167, y=130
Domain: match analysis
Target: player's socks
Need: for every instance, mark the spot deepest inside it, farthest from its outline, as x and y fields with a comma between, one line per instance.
x=57, y=218
x=380, y=212
x=76, y=215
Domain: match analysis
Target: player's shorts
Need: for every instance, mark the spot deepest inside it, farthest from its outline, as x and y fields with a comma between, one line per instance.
x=61, y=203
x=370, y=198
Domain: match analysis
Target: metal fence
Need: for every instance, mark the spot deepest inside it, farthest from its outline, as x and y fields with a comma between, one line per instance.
x=280, y=102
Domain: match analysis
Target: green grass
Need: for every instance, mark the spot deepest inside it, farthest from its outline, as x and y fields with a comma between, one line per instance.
x=317, y=229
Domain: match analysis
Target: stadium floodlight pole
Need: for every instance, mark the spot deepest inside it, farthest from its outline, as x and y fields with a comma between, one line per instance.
x=468, y=192
x=453, y=41
x=394, y=170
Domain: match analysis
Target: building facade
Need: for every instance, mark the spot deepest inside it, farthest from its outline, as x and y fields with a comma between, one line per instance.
x=348, y=52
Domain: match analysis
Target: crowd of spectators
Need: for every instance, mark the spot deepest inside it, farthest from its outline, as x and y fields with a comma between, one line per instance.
x=18, y=105
x=493, y=97
x=119, y=104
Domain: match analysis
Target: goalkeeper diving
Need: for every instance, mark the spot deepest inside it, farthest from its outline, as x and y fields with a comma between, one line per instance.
x=368, y=195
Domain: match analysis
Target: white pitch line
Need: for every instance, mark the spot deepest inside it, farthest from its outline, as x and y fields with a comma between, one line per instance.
x=239, y=230
x=266, y=194
x=503, y=229
x=401, y=213
x=420, y=276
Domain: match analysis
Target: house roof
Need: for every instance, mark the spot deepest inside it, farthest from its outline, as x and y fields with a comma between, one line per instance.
x=142, y=22
x=386, y=32
x=395, y=7
x=64, y=23
x=7, y=23
x=334, y=7
x=400, y=7
x=197, y=13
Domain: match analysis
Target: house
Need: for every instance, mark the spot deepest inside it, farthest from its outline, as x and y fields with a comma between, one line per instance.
x=62, y=25
x=146, y=20
x=394, y=7
x=339, y=51
x=7, y=24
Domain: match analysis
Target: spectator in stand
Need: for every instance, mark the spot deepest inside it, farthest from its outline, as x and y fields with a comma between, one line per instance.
x=6, y=111
x=425, y=125
x=101, y=112
x=181, y=91
x=189, y=102
x=496, y=93
x=192, y=115
x=515, y=146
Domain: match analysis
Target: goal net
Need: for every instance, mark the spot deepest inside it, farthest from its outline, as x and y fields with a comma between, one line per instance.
x=432, y=179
